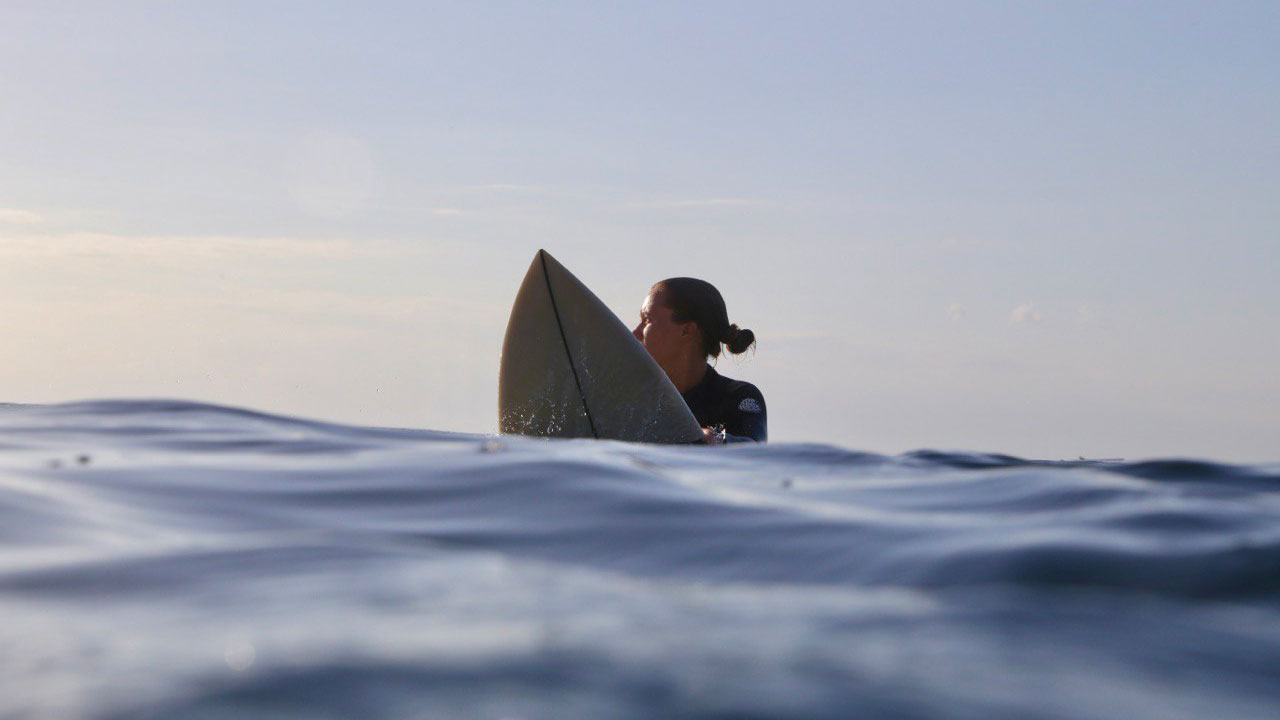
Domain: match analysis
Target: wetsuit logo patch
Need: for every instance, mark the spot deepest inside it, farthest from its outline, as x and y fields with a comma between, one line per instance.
x=749, y=405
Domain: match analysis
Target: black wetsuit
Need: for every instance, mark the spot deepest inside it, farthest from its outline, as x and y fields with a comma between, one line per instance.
x=738, y=406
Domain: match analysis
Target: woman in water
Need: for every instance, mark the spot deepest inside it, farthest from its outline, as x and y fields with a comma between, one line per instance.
x=682, y=323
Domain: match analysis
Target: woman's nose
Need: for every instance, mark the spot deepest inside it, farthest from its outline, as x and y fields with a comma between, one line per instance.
x=638, y=334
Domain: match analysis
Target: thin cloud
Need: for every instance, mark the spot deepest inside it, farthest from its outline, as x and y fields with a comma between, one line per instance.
x=963, y=244
x=1086, y=315
x=955, y=311
x=698, y=203
x=503, y=187
x=1023, y=314
x=445, y=212
x=106, y=245
x=14, y=216
x=333, y=304
x=785, y=336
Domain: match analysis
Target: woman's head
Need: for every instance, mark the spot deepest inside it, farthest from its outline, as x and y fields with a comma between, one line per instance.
x=686, y=314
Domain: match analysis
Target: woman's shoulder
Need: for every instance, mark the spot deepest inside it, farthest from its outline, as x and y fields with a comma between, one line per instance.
x=744, y=412
x=745, y=396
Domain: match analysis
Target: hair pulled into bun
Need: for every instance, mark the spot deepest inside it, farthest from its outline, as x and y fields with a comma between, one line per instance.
x=698, y=301
x=738, y=340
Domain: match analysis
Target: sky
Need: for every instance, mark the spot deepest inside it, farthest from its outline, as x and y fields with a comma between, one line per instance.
x=1048, y=229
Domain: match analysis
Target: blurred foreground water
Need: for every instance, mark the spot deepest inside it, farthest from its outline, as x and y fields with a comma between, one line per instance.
x=179, y=560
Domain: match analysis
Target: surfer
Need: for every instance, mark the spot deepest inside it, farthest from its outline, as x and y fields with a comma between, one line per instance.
x=682, y=323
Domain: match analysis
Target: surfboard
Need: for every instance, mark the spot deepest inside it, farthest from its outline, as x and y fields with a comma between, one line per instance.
x=571, y=369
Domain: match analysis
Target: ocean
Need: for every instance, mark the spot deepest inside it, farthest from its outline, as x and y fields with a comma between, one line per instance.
x=168, y=559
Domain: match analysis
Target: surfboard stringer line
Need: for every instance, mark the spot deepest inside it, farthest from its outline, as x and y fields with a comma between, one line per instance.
x=542, y=255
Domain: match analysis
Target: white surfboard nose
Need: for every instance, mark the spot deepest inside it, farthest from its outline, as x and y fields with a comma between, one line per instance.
x=570, y=368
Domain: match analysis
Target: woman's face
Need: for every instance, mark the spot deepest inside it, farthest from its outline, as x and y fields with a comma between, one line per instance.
x=661, y=335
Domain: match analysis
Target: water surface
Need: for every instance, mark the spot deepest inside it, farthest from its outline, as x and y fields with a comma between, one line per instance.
x=164, y=559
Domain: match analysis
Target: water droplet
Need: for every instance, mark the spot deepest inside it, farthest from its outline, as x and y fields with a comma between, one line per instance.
x=239, y=654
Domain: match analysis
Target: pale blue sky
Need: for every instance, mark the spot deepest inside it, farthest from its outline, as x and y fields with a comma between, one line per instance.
x=1047, y=229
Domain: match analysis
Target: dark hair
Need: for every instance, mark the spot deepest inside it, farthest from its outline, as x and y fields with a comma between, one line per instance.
x=698, y=301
